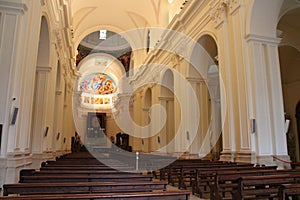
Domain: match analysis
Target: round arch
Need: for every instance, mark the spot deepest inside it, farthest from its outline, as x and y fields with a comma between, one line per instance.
x=208, y=45
x=167, y=80
x=79, y=37
x=266, y=27
x=289, y=53
x=207, y=87
x=43, y=58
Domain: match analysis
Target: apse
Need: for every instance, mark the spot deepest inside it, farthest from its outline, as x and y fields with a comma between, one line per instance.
x=98, y=80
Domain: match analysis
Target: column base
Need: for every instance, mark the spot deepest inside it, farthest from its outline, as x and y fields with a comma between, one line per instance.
x=38, y=158
x=228, y=156
x=11, y=164
x=282, y=161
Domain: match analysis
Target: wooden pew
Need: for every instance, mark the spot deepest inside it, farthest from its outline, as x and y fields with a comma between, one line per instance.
x=52, y=182
x=81, y=187
x=267, y=186
x=206, y=177
x=29, y=172
x=85, y=178
x=177, y=172
x=84, y=168
x=162, y=195
x=225, y=182
x=289, y=190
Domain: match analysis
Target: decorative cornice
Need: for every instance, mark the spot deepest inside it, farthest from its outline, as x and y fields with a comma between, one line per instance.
x=218, y=13
x=18, y=8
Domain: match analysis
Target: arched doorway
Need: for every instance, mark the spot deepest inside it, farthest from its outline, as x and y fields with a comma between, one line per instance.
x=40, y=129
x=167, y=100
x=207, y=88
x=289, y=54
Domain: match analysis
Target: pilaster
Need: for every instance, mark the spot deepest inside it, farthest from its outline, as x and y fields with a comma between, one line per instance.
x=269, y=136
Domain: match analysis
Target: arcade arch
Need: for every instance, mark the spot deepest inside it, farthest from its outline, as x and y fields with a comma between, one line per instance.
x=289, y=59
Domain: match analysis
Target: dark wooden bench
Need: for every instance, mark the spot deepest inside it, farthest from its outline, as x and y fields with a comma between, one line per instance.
x=27, y=172
x=266, y=186
x=206, y=177
x=163, y=172
x=161, y=195
x=81, y=187
x=84, y=168
x=85, y=178
x=225, y=182
x=289, y=190
x=177, y=174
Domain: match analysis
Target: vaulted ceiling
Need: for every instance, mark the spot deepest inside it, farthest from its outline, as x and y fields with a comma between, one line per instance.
x=117, y=15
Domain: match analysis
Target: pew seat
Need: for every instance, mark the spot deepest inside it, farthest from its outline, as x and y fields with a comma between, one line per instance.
x=161, y=195
x=81, y=187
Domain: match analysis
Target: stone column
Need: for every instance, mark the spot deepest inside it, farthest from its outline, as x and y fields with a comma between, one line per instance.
x=16, y=24
x=269, y=137
x=219, y=17
x=202, y=139
x=236, y=11
x=41, y=130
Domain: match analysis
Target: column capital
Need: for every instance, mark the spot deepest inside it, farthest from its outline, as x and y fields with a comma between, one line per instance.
x=233, y=6
x=43, y=68
x=218, y=12
x=13, y=7
x=262, y=39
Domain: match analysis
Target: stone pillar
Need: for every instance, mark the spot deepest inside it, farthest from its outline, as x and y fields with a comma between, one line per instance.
x=216, y=121
x=58, y=123
x=236, y=11
x=220, y=20
x=202, y=139
x=137, y=106
x=168, y=131
x=41, y=131
x=269, y=138
x=16, y=24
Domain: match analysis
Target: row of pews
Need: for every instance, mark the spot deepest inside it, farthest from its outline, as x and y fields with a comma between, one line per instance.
x=82, y=176
x=217, y=180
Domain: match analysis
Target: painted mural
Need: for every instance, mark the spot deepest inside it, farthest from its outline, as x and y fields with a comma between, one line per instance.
x=98, y=83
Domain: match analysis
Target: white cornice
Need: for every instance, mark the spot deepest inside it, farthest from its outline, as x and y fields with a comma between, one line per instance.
x=13, y=7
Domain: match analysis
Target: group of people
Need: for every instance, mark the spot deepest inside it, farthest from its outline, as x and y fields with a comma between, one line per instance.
x=76, y=143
